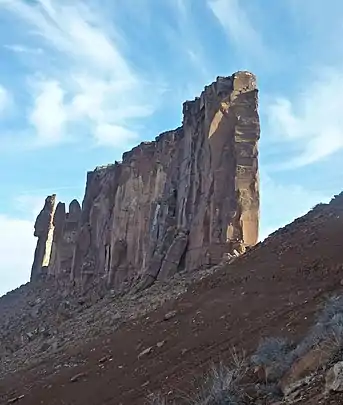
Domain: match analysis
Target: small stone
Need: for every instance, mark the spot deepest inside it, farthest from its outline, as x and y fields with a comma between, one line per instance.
x=334, y=378
x=160, y=344
x=29, y=335
x=144, y=352
x=77, y=377
x=169, y=315
x=16, y=399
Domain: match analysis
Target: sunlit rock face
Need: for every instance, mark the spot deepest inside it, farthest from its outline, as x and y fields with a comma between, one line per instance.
x=43, y=230
x=181, y=202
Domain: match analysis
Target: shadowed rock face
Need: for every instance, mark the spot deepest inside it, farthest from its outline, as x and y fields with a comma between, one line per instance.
x=65, y=233
x=181, y=202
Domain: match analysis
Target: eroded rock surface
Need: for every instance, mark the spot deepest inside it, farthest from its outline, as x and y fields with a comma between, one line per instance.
x=183, y=201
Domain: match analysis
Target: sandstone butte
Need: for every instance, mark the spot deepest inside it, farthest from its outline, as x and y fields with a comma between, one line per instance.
x=185, y=201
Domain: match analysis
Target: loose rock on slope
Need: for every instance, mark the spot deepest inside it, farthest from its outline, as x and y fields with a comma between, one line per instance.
x=272, y=290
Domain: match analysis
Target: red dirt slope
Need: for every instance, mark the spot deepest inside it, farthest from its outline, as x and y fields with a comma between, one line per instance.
x=273, y=290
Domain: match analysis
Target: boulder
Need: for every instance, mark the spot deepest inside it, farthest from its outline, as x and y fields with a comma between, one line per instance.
x=334, y=378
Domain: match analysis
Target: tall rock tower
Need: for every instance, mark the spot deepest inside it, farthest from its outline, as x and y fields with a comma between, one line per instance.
x=44, y=230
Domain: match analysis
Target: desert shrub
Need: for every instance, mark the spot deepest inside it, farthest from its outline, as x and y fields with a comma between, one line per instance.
x=223, y=386
x=220, y=387
x=330, y=321
x=332, y=307
x=270, y=390
x=238, y=362
x=328, y=327
x=271, y=350
x=277, y=355
x=158, y=399
x=336, y=329
x=273, y=354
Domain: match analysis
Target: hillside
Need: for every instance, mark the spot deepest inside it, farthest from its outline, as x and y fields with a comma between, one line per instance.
x=274, y=289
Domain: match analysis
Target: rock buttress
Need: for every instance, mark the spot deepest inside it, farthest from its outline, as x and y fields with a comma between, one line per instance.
x=180, y=202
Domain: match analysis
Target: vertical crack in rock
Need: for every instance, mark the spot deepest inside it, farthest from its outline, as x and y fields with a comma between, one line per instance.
x=183, y=201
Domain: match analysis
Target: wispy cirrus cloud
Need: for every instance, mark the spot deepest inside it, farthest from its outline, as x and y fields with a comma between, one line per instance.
x=49, y=113
x=311, y=122
x=84, y=76
x=186, y=36
x=236, y=22
x=307, y=121
x=5, y=99
x=21, y=49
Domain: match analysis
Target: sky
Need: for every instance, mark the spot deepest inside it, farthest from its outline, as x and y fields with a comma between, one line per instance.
x=82, y=81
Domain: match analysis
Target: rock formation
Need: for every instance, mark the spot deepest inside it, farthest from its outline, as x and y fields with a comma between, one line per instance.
x=65, y=232
x=44, y=230
x=183, y=201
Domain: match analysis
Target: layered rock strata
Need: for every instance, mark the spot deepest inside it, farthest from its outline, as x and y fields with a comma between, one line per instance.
x=183, y=201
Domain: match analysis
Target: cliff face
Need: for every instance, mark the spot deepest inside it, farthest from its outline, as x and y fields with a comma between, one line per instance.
x=181, y=202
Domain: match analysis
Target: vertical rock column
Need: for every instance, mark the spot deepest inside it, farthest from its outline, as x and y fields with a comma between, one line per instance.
x=44, y=230
x=58, y=221
x=65, y=232
x=247, y=131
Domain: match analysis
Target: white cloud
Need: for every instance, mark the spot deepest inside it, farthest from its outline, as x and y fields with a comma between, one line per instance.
x=238, y=26
x=114, y=135
x=111, y=100
x=48, y=114
x=24, y=49
x=29, y=205
x=312, y=121
x=87, y=79
x=5, y=99
x=17, y=245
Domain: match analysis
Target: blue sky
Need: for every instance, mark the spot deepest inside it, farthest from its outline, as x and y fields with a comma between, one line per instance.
x=82, y=81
